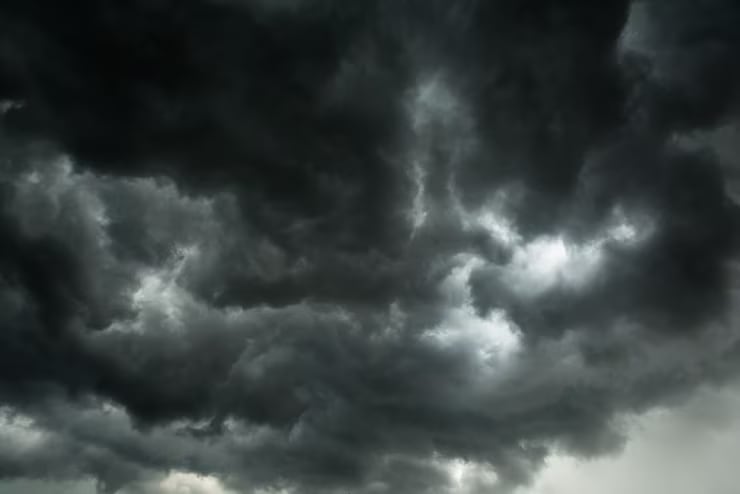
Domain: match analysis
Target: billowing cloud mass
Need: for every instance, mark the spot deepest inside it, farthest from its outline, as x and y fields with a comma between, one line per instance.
x=323, y=246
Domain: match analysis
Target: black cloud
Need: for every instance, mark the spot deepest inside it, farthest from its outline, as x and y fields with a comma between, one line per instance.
x=318, y=246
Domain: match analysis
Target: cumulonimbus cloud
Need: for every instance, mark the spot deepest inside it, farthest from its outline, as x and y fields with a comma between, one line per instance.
x=319, y=246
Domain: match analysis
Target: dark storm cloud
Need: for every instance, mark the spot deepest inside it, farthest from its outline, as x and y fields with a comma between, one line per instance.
x=687, y=53
x=319, y=246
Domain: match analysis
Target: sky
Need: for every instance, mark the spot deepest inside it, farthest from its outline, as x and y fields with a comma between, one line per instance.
x=330, y=247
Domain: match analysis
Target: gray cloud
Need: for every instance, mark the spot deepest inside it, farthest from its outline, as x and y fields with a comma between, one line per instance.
x=387, y=247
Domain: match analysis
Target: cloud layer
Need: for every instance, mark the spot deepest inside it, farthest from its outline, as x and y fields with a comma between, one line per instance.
x=314, y=246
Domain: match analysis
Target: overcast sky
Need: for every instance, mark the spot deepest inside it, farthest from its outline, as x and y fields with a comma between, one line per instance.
x=418, y=247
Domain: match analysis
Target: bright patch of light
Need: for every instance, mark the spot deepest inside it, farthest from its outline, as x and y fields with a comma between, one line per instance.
x=113, y=410
x=499, y=227
x=159, y=292
x=191, y=483
x=492, y=218
x=457, y=470
x=544, y=258
x=623, y=233
x=468, y=477
x=548, y=261
x=19, y=430
x=491, y=338
x=627, y=231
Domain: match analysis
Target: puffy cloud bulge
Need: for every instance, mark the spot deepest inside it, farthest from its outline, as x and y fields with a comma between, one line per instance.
x=311, y=246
